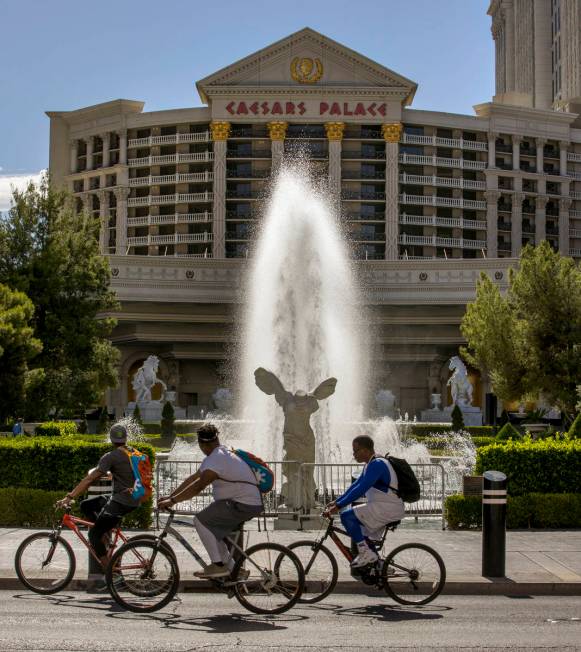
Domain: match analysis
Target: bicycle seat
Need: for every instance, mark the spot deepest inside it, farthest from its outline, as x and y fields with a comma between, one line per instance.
x=392, y=526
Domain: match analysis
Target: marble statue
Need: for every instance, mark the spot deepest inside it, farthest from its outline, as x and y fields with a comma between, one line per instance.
x=145, y=379
x=298, y=435
x=223, y=400
x=385, y=403
x=459, y=383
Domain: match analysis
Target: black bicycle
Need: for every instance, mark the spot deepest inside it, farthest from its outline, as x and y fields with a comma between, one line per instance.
x=412, y=574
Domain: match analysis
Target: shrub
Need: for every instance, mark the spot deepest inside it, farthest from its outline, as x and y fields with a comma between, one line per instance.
x=479, y=442
x=457, y=419
x=575, y=429
x=137, y=415
x=480, y=431
x=545, y=466
x=426, y=429
x=83, y=427
x=508, y=432
x=531, y=510
x=22, y=507
x=167, y=420
x=103, y=424
x=56, y=429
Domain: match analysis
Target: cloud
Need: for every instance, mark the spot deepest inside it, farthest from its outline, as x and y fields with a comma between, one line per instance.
x=9, y=181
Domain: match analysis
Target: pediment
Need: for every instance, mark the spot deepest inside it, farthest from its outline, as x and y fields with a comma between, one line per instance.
x=306, y=61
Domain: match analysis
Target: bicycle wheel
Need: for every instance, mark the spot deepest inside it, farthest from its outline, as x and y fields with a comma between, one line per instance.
x=321, y=570
x=152, y=537
x=414, y=574
x=273, y=579
x=45, y=563
x=142, y=578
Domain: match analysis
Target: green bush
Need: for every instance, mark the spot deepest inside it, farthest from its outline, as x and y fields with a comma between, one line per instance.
x=56, y=429
x=530, y=510
x=508, y=432
x=51, y=463
x=457, y=419
x=137, y=415
x=575, y=429
x=480, y=431
x=425, y=429
x=479, y=442
x=544, y=466
x=167, y=420
x=21, y=507
x=103, y=424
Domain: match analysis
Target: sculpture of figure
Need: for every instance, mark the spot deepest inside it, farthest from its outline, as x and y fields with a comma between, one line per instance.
x=298, y=436
x=385, y=403
x=145, y=379
x=459, y=383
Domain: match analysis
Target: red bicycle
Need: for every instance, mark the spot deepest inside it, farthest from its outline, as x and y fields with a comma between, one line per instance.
x=45, y=562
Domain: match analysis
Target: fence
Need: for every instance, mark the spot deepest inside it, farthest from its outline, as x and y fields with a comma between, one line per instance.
x=329, y=481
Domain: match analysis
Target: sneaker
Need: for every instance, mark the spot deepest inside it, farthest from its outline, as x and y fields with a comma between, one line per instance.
x=213, y=571
x=365, y=557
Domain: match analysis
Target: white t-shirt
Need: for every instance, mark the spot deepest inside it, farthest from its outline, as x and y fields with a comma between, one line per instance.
x=229, y=466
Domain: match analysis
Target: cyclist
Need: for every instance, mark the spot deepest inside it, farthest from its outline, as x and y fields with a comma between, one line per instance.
x=107, y=512
x=378, y=482
x=236, y=499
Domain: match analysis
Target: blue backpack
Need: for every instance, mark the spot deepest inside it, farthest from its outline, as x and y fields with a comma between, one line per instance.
x=263, y=473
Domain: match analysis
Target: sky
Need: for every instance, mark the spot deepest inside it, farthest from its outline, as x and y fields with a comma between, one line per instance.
x=65, y=54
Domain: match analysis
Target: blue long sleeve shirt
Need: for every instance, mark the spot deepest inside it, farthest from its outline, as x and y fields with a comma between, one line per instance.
x=376, y=474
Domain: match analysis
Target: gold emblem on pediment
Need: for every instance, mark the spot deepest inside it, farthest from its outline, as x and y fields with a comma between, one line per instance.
x=305, y=70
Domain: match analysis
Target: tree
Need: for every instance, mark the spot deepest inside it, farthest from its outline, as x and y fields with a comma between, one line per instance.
x=167, y=419
x=103, y=423
x=457, y=419
x=529, y=341
x=508, y=431
x=137, y=416
x=50, y=252
x=18, y=347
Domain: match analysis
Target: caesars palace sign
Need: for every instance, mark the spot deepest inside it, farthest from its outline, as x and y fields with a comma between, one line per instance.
x=307, y=108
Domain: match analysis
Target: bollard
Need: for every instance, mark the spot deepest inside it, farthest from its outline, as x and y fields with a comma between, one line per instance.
x=102, y=487
x=493, y=524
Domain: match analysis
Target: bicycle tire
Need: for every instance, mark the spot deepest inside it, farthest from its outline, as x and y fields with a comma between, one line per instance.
x=29, y=582
x=392, y=585
x=310, y=584
x=241, y=588
x=151, y=537
x=170, y=586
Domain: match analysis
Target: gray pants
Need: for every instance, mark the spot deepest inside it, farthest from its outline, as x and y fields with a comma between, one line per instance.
x=225, y=516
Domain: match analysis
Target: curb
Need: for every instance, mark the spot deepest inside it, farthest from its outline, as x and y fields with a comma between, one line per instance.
x=502, y=586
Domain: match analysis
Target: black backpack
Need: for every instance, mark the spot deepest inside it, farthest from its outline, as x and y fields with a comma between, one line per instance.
x=408, y=486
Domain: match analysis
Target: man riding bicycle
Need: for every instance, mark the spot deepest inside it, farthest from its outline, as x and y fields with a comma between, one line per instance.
x=107, y=512
x=236, y=499
x=378, y=482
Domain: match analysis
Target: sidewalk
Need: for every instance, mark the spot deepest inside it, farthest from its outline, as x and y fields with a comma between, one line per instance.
x=545, y=562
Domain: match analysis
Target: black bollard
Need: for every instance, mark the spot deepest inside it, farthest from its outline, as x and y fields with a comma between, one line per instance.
x=494, y=524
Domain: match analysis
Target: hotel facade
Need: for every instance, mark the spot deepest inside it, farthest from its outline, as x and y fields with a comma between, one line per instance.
x=429, y=199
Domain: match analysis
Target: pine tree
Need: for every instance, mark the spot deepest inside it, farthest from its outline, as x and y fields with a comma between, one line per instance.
x=167, y=420
x=508, y=431
x=137, y=416
x=457, y=419
x=575, y=429
x=103, y=424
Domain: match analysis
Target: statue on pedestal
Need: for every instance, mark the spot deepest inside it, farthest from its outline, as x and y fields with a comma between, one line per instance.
x=298, y=436
x=459, y=383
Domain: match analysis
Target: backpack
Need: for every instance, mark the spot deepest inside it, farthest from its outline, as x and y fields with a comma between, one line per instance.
x=142, y=474
x=408, y=486
x=264, y=474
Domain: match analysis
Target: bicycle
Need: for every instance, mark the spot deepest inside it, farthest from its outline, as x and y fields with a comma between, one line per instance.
x=45, y=562
x=144, y=576
x=412, y=574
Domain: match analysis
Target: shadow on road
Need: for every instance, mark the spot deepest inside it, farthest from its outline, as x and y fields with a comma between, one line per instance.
x=392, y=614
x=95, y=602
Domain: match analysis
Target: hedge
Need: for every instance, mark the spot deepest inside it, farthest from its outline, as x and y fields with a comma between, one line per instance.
x=56, y=429
x=531, y=510
x=20, y=507
x=51, y=463
x=542, y=466
x=426, y=429
x=440, y=442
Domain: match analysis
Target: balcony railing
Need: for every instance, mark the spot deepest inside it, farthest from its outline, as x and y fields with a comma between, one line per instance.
x=435, y=241
x=194, y=177
x=438, y=161
x=167, y=159
x=574, y=157
x=416, y=179
x=173, y=238
x=432, y=200
x=574, y=195
x=433, y=220
x=575, y=252
x=436, y=141
x=575, y=233
x=174, y=218
x=178, y=198
x=172, y=139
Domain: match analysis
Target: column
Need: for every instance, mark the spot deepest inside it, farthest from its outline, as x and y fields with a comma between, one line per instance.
x=335, y=132
x=90, y=153
x=516, y=228
x=220, y=131
x=540, y=142
x=103, y=221
x=105, y=139
x=563, y=145
x=516, y=140
x=540, y=218
x=121, y=194
x=277, y=133
x=123, y=147
x=492, y=136
x=564, y=206
x=74, y=154
x=492, y=197
x=509, y=44
x=391, y=134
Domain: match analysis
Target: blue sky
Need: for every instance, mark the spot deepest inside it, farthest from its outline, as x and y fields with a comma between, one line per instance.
x=65, y=54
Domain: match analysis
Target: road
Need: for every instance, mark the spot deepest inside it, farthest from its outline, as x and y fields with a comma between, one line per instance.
x=78, y=621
